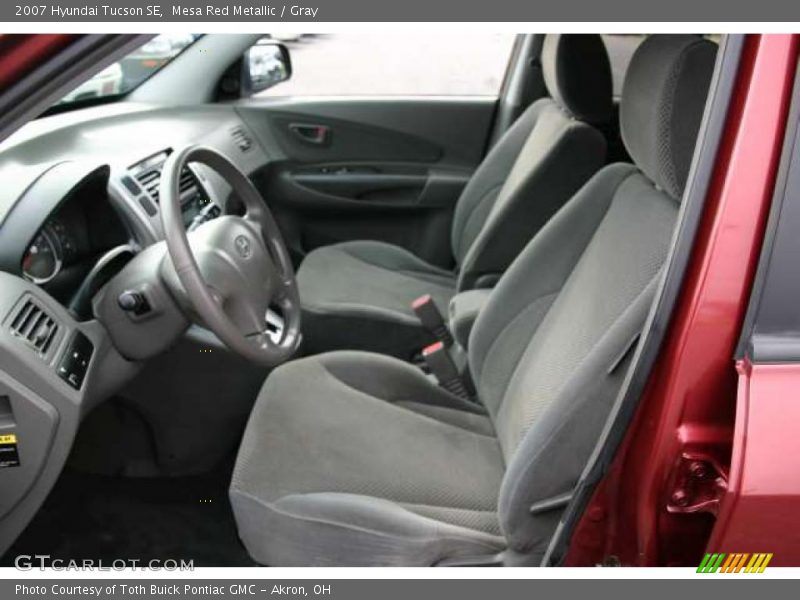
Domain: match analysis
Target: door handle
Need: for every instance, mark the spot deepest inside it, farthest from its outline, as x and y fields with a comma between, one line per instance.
x=319, y=135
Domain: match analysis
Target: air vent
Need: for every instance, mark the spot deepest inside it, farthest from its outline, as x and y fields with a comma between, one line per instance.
x=150, y=180
x=242, y=140
x=148, y=174
x=33, y=325
x=188, y=183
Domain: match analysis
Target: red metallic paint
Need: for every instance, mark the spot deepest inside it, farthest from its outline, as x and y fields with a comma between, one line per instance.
x=759, y=512
x=20, y=53
x=688, y=404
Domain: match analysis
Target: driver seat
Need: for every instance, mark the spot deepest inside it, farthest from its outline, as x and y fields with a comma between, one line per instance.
x=354, y=458
x=358, y=294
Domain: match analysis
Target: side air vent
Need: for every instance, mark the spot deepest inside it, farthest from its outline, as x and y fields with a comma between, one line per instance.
x=34, y=326
x=241, y=138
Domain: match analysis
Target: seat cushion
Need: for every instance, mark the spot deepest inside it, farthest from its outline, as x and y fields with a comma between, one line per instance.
x=358, y=295
x=352, y=458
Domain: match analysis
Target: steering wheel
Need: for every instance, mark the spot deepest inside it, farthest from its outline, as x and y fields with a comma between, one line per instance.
x=232, y=270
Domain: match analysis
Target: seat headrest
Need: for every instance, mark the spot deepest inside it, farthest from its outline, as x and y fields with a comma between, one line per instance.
x=662, y=104
x=577, y=74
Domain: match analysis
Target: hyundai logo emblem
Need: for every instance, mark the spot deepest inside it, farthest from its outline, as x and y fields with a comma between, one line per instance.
x=243, y=246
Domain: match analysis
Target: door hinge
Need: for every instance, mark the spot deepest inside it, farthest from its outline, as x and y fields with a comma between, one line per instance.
x=610, y=561
x=698, y=484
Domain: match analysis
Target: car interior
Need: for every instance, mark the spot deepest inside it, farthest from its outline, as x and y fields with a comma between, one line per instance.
x=322, y=331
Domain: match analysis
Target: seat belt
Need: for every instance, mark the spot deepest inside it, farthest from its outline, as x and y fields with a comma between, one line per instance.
x=437, y=356
x=441, y=365
x=432, y=320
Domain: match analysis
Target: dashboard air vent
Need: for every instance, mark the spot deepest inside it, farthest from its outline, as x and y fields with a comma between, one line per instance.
x=148, y=174
x=33, y=325
x=241, y=138
x=150, y=180
x=188, y=183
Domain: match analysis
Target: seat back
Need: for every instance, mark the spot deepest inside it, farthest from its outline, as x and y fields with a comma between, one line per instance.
x=550, y=349
x=539, y=163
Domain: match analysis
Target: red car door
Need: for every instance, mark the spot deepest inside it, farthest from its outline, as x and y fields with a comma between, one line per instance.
x=681, y=477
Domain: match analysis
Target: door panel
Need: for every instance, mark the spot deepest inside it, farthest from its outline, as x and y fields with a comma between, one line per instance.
x=370, y=187
x=388, y=169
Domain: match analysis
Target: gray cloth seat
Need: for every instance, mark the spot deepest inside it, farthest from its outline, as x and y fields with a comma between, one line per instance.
x=353, y=458
x=358, y=295
x=375, y=314
x=348, y=467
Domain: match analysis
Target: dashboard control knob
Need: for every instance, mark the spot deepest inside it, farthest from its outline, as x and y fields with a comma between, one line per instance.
x=132, y=301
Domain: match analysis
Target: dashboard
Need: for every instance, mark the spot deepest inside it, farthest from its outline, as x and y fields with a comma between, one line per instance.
x=66, y=247
x=79, y=207
x=85, y=184
x=44, y=258
x=78, y=203
x=196, y=203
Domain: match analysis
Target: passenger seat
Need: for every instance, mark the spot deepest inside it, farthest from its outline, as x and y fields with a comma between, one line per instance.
x=358, y=294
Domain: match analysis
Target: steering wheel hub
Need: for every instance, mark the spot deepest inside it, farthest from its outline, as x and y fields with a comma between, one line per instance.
x=234, y=272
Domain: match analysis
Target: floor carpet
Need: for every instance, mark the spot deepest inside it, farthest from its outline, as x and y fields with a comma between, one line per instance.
x=99, y=517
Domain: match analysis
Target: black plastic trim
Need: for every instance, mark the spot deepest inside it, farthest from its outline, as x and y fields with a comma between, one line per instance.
x=58, y=109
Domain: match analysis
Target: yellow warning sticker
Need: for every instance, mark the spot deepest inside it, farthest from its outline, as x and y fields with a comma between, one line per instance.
x=9, y=454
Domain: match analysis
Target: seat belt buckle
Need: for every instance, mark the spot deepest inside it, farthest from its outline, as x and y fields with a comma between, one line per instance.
x=432, y=320
x=442, y=367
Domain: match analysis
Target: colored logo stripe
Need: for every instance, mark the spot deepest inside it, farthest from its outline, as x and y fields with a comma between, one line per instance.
x=734, y=563
x=710, y=563
x=731, y=560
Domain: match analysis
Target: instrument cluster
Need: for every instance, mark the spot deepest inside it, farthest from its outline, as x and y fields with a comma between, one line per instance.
x=52, y=249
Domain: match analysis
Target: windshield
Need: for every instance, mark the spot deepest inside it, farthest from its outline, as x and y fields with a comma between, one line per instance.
x=132, y=70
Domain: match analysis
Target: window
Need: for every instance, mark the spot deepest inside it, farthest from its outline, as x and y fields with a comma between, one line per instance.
x=132, y=70
x=382, y=63
x=620, y=49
